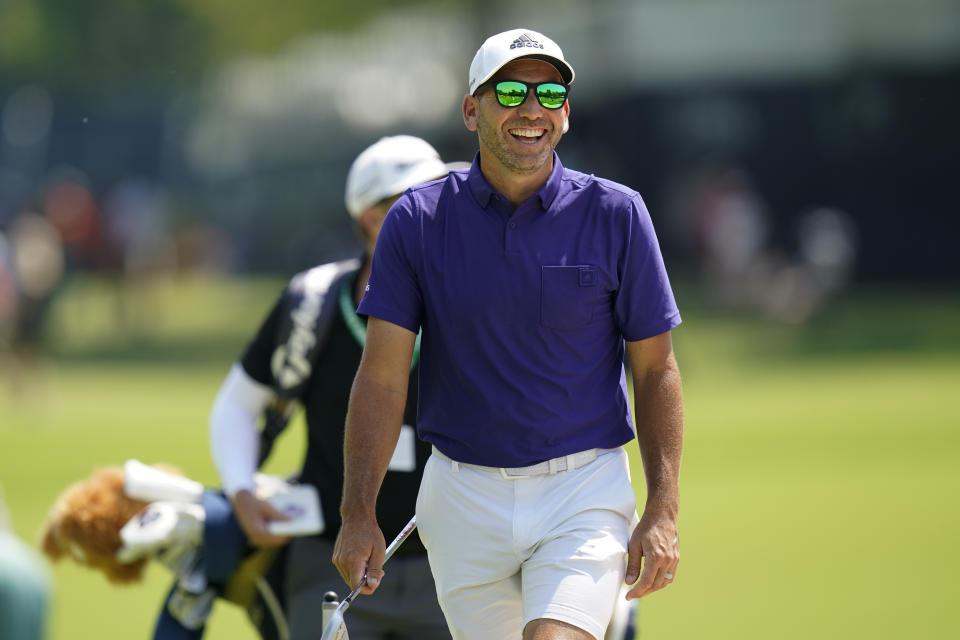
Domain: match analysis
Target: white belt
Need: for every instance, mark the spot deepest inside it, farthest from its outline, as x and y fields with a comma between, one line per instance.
x=556, y=465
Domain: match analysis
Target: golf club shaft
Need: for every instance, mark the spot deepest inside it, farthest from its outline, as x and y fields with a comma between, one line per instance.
x=336, y=620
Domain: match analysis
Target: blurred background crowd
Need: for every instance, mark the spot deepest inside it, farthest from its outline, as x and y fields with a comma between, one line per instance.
x=782, y=148
x=787, y=151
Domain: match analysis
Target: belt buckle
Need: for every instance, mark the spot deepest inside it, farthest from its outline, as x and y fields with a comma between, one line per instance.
x=509, y=476
x=522, y=472
x=580, y=459
x=553, y=466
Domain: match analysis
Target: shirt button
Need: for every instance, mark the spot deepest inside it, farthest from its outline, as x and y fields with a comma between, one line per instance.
x=513, y=225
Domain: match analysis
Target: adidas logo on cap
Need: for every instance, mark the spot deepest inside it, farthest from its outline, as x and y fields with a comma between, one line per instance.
x=525, y=40
x=502, y=48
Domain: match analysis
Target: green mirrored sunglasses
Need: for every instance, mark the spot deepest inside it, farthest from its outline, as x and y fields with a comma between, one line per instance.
x=512, y=93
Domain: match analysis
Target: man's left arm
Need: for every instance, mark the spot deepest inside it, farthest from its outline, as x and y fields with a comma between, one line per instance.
x=658, y=408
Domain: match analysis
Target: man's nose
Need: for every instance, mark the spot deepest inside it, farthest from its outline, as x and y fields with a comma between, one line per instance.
x=531, y=107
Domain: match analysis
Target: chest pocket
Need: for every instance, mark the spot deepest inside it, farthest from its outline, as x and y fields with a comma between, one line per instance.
x=571, y=296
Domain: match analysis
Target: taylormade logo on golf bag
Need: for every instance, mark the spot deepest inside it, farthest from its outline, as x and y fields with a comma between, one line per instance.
x=525, y=41
x=290, y=363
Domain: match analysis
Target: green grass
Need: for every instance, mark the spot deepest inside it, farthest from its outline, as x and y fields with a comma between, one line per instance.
x=819, y=482
x=818, y=502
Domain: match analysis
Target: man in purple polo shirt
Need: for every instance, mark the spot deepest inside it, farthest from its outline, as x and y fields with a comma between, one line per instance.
x=530, y=282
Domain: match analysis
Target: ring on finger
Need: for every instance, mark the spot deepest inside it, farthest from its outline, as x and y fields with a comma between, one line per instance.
x=668, y=576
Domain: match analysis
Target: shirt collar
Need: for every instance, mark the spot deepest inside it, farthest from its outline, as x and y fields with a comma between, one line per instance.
x=483, y=192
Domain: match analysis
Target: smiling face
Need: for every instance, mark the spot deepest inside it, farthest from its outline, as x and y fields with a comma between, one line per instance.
x=518, y=140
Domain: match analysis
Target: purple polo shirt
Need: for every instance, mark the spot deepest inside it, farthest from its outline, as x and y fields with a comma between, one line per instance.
x=524, y=312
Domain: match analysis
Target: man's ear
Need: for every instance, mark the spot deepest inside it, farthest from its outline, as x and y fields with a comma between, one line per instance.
x=566, y=117
x=470, y=115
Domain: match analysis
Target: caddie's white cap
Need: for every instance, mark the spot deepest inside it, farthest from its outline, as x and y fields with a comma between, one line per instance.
x=387, y=168
x=510, y=45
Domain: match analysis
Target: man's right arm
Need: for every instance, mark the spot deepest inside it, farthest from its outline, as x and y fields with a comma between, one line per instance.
x=374, y=419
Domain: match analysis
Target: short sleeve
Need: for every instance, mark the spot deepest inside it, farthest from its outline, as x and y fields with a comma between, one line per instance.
x=644, y=305
x=393, y=290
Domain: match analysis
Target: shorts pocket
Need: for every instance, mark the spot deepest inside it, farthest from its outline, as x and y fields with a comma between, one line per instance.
x=568, y=295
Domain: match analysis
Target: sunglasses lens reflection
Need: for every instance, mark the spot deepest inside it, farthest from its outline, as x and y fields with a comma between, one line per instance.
x=551, y=95
x=511, y=93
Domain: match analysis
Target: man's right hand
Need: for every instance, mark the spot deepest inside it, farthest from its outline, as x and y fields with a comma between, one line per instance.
x=254, y=514
x=359, y=550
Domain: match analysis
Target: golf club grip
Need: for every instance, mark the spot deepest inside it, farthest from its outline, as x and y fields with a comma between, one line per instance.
x=403, y=535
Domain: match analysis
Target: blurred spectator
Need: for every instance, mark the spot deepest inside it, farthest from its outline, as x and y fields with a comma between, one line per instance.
x=73, y=211
x=24, y=587
x=823, y=266
x=37, y=265
x=726, y=224
x=8, y=294
x=828, y=247
x=135, y=217
x=205, y=248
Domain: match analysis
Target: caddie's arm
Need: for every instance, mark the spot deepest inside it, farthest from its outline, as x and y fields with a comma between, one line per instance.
x=374, y=419
x=233, y=446
x=658, y=406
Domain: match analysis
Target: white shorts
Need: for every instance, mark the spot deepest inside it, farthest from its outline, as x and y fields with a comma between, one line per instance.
x=508, y=550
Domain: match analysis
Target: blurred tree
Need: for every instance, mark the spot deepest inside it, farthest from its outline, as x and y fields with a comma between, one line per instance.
x=97, y=47
x=256, y=26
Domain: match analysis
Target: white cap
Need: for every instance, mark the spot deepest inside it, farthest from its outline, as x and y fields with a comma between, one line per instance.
x=510, y=45
x=387, y=168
